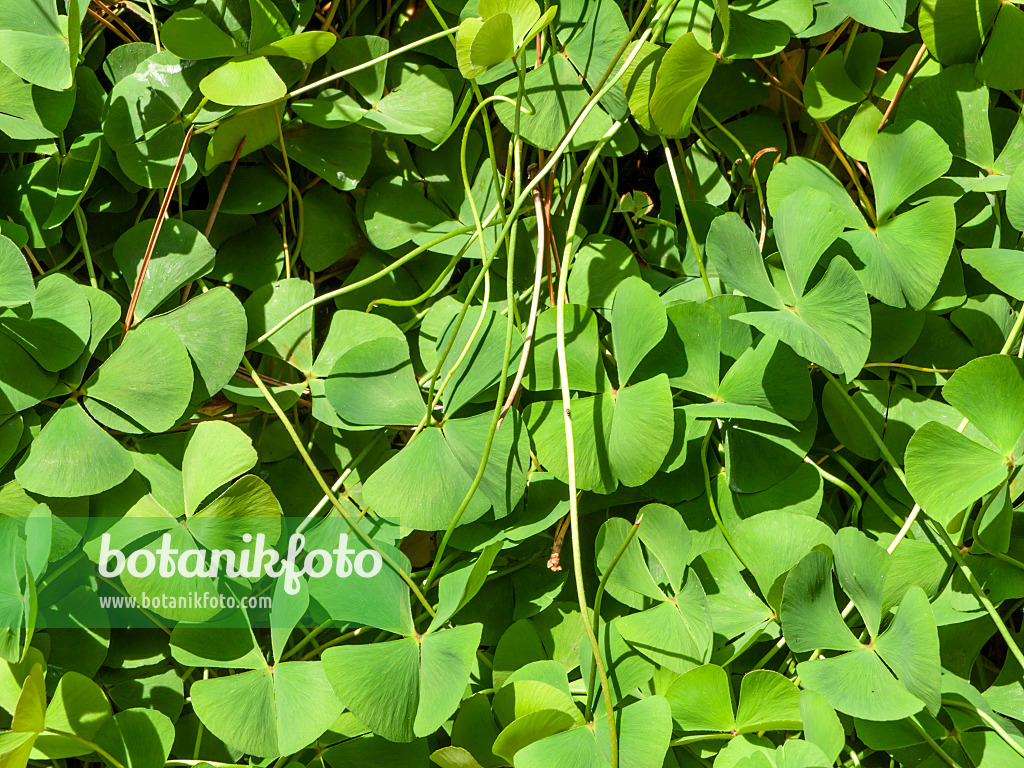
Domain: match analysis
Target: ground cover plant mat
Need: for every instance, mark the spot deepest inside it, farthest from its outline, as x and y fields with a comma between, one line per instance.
x=504, y=384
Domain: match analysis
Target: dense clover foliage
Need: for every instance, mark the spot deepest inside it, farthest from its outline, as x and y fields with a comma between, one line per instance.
x=666, y=355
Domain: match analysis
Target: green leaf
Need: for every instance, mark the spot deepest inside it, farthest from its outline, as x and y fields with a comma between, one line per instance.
x=181, y=254
x=525, y=14
x=631, y=574
x=1015, y=199
x=641, y=430
x=702, y=701
x=954, y=30
x=215, y=454
x=530, y=728
x=339, y=157
x=830, y=325
x=861, y=566
x=644, y=731
x=555, y=95
x=584, y=368
x=244, y=82
x=638, y=323
x=1000, y=266
x=423, y=485
x=395, y=212
x=424, y=678
x=78, y=707
x=77, y=170
x=385, y=605
x=373, y=384
x=458, y=587
x=821, y=724
x=903, y=159
x=420, y=104
x=886, y=15
x=482, y=45
x=601, y=265
x=1002, y=62
x=986, y=391
x=23, y=382
x=732, y=248
x=259, y=129
x=906, y=256
x=577, y=748
x=269, y=305
x=484, y=357
x=138, y=738
x=73, y=456
x=796, y=173
x=810, y=619
x=768, y=702
x=57, y=325
x=947, y=471
x=858, y=684
x=16, y=286
x=305, y=46
x=350, y=52
x=148, y=379
x=288, y=707
x=829, y=89
x=190, y=34
x=684, y=70
x=33, y=44
x=910, y=646
x=675, y=635
x=639, y=82
x=806, y=224
x=212, y=326
x=268, y=24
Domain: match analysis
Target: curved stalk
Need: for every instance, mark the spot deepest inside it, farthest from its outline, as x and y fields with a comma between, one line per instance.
x=365, y=537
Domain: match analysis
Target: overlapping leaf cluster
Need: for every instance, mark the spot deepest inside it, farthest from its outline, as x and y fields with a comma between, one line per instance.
x=668, y=354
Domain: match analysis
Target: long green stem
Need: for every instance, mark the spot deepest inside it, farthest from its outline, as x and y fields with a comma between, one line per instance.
x=630, y=535
x=563, y=373
x=979, y=592
x=842, y=484
x=83, y=239
x=711, y=499
x=1013, y=332
x=872, y=432
x=868, y=489
x=85, y=743
x=933, y=744
x=509, y=329
x=686, y=219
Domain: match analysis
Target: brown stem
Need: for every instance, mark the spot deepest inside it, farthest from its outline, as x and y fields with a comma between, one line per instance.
x=834, y=144
x=157, y=225
x=796, y=77
x=554, y=561
x=108, y=25
x=778, y=83
x=906, y=79
x=534, y=304
x=120, y=22
x=223, y=189
x=835, y=37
